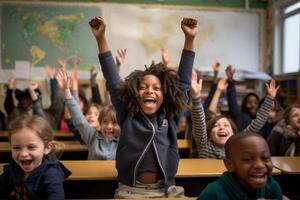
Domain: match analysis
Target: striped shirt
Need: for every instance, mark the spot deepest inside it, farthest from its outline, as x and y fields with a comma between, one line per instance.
x=207, y=148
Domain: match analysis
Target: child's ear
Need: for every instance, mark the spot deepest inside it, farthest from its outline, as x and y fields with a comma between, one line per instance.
x=47, y=149
x=229, y=165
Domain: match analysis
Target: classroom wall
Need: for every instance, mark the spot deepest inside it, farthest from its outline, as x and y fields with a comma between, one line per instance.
x=231, y=4
x=207, y=3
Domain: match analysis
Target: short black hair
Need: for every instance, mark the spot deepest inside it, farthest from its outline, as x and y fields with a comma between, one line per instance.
x=230, y=143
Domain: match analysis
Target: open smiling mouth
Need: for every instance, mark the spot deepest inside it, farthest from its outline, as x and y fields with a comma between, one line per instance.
x=26, y=163
x=149, y=100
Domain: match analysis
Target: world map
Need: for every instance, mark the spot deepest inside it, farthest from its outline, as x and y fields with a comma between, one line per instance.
x=45, y=33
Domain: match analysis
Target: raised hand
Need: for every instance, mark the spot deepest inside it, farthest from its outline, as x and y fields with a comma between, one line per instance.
x=62, y=63
x=229, y=72
x=63, y=80
x=189, y=27
x=196, y=86
x=93, y=72
x=98, y=26
x=222, y=85
x=165, y=56
x=216, y=66
x=12, y=82
x=33, y=85
x=272, y=89
x=50, y=71
x=120, y=57
x=75, y=60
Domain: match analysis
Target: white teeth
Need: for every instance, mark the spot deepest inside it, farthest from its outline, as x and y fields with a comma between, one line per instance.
x=259, y=175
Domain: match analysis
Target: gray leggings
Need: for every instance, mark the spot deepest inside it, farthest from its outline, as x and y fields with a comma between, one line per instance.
x=154, y=190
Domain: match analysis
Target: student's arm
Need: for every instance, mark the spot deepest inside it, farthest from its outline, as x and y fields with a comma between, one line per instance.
x=109, y=68
x=213, y=87
x=165, y=56
x=9, y=101
x=222, y=85
x=231, y=94
x=96, y=97
x=37, y=107
x=198, y=117
x=54, y=180
x=79, y=120
x=73, y=129
x=263, y=112
x=120, y=57
x=189, y=28
x=56, y=104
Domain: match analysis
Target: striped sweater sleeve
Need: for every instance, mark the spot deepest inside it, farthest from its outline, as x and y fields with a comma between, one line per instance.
x=205, y=148
x=261, y=116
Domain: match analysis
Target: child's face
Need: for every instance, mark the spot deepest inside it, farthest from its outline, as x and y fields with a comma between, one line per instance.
x=252, y=104
x=182, y=125
x=92, y=117
x=221, y=131
x=150, y=94
x=294, y=120
x=28, y=150
x=109, y=128
x=251, y=162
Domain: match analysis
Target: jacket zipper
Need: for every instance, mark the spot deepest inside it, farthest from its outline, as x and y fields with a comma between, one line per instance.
x=145, y=150
x=162, y=169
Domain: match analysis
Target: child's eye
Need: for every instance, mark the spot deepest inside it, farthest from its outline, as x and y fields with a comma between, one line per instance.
x=246, y=159
x=31, y=147
x=16, y=148
x=157, y=88
x=266, y=158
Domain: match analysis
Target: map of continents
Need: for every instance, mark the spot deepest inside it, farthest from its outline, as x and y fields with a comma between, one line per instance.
x=43, y=33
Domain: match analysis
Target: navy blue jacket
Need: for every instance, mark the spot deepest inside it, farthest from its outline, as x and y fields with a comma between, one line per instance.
x=138, y=132
x=241, y=119
x=45, y=182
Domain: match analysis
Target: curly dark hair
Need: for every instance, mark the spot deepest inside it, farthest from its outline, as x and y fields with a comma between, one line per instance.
x=172, y=93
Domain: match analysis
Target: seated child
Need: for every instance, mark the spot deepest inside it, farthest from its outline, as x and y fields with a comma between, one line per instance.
x=35, y=172
x=210, y=137
x=98, y=130
x=284, y=139
x=249, y=165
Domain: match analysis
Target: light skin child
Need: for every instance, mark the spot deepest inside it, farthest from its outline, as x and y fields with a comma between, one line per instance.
x=107, y=127
x=28, y=150
x=294, y=119
x=222, y=129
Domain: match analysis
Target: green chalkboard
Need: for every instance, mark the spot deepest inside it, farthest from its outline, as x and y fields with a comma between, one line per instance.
x=44, y=32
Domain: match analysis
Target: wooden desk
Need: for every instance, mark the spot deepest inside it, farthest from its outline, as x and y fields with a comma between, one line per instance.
x=99, y=177
x=290, y=170
x=72, y=145
x=74, y=150
x=58, y=135
x=288, y=165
